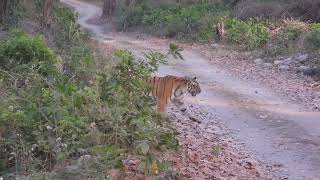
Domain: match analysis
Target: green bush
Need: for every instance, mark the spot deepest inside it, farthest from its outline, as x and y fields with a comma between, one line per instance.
x=290, y=34
x=285, y=42
x=49, y=118
x=45, y=114
x=193, y=22
x=66, y=30
x=48, y=115
x=22, y=50
x=313, y=37
x=130, y=17
x=44, y=118
x=251, y=33
x=71, y=44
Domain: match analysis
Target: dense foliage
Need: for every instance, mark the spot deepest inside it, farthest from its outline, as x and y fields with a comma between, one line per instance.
x=252, y=28
x=313, y=37
x=25, y=52
x=251, y=33
x=194, y=22
x=57, y=104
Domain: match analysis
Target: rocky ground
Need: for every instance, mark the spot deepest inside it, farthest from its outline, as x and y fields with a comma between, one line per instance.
x=208, y=151
x=284, y=75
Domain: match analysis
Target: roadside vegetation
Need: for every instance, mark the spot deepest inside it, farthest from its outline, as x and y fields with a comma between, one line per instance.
x=277, y=27
x=68, y=111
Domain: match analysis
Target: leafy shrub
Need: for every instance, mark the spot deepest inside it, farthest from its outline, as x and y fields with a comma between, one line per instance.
x=22, y=49
x=46, y=119
x=125, y=93
x=66, y=30
x=286, y=41
x=294, y=38
x=291, y=33
x=130, y=17
x=40, y=121
x=193, y=22
x=71, y=45
x=49, y=118
x=313, y=37
x=251, y=33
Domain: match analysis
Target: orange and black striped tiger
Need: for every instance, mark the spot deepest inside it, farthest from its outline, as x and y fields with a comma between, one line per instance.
x=172, y=88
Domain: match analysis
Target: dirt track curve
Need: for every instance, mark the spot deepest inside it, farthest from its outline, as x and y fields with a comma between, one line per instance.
x=269, y=127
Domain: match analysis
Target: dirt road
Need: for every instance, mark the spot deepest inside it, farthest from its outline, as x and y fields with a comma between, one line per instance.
x=267, y=126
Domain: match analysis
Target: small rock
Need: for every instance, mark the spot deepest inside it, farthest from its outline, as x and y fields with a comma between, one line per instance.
x=302, y=68
x=215, y=46
x=86, y=159
x=131, y=162
x=263, y=116
x=287, y=61
x=251, y=163
x=258, y=61
x=311, y=72
x=267, y=65
x=194, y=119
x=93, y=125
x=278, y=165
x=82, y=151
x=142, y=167
x=283, y=68
x=143, y=148
x=302, y=58
x=277, y=62
x=72, y=169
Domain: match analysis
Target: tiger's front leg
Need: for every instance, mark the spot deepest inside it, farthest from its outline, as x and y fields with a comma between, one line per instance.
x=161, y=105
x=178, y=102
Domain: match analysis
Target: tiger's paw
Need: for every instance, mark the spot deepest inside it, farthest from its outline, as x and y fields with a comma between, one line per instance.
x=164, y=116
x=194, y=119
x=183, y=109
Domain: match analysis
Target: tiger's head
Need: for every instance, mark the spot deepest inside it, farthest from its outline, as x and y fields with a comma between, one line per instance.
x=193, y=86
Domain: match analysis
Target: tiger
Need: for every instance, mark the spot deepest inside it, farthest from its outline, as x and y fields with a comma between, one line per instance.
x=172, y=89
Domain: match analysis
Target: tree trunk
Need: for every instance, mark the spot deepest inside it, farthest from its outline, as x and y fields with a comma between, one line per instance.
x=108, y=8
x=47, y=13
x=220, y=31
x=3, y=9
